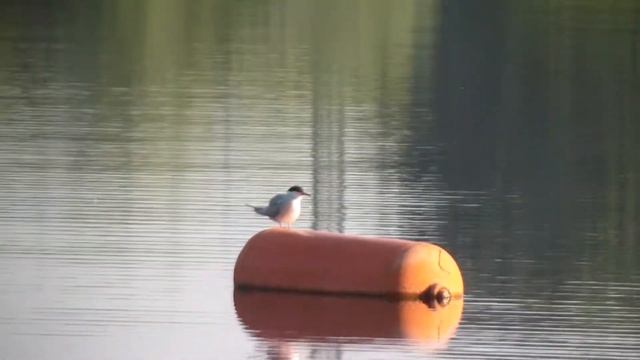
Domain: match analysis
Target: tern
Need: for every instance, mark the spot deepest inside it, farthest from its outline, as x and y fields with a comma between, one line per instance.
x=283, y=208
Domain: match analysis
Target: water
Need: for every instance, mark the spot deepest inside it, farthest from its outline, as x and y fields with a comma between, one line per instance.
x=132, y=135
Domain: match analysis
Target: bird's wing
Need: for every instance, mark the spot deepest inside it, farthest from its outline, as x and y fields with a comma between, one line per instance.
x=277, y=200
x=276, y=203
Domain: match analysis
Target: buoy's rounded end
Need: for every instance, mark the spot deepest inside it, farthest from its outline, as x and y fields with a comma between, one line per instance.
x=429, y=271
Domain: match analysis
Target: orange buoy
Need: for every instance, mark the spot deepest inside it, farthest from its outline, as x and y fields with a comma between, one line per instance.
x=324, y=262
x=274, y=316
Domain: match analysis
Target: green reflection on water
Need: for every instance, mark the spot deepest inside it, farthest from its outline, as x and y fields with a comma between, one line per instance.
x=534, y=103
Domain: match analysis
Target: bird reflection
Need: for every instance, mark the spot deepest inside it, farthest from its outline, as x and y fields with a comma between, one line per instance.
x=281, y=350
x=324, y=353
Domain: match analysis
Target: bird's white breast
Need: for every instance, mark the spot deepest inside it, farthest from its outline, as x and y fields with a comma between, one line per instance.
x=290, y=212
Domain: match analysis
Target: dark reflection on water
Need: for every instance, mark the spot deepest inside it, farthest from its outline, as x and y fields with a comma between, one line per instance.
x=133, y=133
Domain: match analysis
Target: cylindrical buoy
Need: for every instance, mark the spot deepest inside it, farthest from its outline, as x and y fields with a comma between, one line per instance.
x=324, y=262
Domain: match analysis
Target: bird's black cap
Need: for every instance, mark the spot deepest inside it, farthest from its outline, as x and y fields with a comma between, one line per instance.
x=296, y=188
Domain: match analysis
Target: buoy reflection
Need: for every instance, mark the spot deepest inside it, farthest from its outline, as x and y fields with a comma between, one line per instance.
x=294, y=316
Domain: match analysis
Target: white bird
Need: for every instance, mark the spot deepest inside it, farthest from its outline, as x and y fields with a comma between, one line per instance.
x=283, y=208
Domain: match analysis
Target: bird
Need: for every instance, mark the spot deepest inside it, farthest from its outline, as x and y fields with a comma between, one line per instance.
x=283, y=208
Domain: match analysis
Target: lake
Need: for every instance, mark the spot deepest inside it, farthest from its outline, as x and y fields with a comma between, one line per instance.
x=133, y=133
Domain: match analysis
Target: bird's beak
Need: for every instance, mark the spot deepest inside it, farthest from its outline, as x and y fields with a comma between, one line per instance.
x=304, y=193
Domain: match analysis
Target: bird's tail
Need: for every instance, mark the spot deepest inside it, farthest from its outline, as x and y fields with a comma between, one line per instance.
x=258, y=209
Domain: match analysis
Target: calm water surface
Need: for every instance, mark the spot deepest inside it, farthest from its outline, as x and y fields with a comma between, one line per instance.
x=133, y=133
